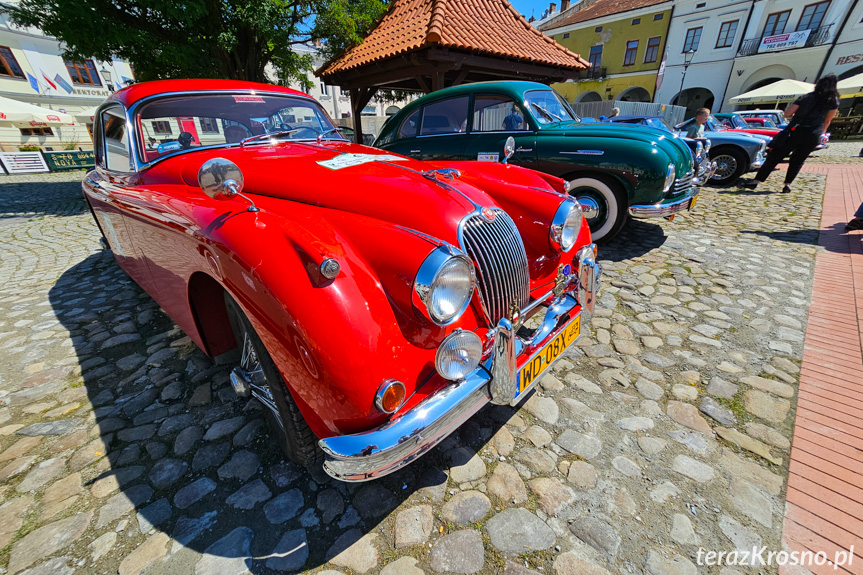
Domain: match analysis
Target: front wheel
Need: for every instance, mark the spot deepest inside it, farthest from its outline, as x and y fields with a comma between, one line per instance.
x=604, y=206
x=258, y=376
x=730, y=165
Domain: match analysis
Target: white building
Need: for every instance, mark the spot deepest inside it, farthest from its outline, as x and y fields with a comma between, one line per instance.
x=788, y=39
x=712, y=29
x=845, y=58
x=32, y=70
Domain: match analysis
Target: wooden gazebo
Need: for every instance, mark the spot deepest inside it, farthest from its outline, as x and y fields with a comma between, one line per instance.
x=426, y=45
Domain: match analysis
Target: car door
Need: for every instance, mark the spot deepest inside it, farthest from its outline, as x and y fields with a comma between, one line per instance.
x=495, y=118
x=440, y=134
x=108, y=186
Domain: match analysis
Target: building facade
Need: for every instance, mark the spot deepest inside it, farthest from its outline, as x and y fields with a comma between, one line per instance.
x=32, y=70
x=787, y=39
x=623, y=40
x=712, y=31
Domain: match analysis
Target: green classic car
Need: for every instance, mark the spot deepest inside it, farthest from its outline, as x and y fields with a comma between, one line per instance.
x=614, y=170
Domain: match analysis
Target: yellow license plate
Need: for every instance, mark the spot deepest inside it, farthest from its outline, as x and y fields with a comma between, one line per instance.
x=531, y=370
x=692, y=203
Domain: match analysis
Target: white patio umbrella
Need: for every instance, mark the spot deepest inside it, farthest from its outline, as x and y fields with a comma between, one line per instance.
x=13, y=112
x=851, y=87
x=86, y=116
x=775, y=93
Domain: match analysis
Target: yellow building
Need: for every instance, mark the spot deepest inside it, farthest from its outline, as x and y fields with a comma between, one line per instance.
x=624, y=40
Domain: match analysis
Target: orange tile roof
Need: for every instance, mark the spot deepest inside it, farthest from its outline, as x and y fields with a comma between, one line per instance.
x=492, y=27
x=602, y=8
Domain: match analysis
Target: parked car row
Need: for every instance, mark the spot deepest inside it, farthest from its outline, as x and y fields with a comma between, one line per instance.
x=477, y=210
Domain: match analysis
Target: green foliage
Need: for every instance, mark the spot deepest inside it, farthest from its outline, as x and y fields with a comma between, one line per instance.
x=29, y=148
x=234, y=39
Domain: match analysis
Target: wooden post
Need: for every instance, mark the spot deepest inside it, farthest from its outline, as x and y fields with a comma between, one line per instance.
x=359, y=98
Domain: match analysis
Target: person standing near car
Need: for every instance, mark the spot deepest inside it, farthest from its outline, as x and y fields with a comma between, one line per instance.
x=810, y=117
x=696, y=128
x=513, y=121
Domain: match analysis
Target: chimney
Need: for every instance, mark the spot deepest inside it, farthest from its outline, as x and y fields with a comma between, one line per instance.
x=552, y=7
x=564, y=5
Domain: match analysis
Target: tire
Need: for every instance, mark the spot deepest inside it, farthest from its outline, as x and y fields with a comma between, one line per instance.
x=732, y=163
x=285, y=420
x=607, y=200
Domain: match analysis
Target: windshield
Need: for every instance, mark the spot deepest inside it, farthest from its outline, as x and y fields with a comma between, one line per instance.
x=738, y=122
x=714, y=125
x=548, y=107
x=659, y=123
x=170, y=125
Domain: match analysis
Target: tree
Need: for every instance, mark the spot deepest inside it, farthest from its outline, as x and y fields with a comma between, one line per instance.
x=233, y=39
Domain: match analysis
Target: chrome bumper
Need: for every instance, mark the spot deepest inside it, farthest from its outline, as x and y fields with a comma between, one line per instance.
x=372, y=454
x=664, y=209
x=704, y=176
x=759, y=161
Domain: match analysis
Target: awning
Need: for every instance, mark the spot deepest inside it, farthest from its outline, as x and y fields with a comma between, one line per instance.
x=23, y=115
x=775, y=93
x=86, y=116
x=851, y=87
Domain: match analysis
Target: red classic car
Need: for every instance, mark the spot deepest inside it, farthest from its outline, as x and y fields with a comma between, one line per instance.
x=373, y=302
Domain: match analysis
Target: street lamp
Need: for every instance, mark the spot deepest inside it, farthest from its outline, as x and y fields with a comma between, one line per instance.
x=687, y=60
x=106, y=74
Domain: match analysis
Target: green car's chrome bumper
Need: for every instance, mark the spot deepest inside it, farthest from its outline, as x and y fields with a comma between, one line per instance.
x=664, y=209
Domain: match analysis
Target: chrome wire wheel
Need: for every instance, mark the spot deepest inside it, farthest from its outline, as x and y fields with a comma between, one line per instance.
x=251, y=374
x=726, y=166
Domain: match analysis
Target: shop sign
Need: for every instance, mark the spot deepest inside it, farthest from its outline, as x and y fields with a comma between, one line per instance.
x=784, y=41
x=77, y=160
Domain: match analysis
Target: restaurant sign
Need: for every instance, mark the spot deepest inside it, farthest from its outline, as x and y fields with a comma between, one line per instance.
x=783, y=41
x=77, y=160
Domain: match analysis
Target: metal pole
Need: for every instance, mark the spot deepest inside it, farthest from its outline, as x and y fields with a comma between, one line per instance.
x=682, y=79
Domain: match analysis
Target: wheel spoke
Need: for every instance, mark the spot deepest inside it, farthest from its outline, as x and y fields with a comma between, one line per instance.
x=257, y=379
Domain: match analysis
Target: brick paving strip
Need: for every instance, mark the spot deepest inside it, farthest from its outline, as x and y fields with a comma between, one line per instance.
x=824, y=509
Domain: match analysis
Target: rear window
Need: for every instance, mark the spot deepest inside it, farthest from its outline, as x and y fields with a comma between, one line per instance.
x=409, y=127
x=445, y=117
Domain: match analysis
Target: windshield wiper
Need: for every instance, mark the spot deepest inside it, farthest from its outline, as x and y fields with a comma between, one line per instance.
x=279, y=134
x=542, y=111
x=328, y=132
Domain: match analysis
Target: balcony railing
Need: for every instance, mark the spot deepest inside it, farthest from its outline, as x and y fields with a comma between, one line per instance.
x=817, y=37
x=592, y=73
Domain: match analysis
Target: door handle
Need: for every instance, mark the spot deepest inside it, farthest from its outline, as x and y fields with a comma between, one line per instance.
x=415, y=151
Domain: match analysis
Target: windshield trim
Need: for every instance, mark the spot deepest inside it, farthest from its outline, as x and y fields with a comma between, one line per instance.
x=133, y=110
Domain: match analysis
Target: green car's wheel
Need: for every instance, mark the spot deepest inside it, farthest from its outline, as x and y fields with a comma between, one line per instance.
x=603, y=203
x=259, y=377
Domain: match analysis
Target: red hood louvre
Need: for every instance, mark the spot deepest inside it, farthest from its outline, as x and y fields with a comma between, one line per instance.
x=386, y=191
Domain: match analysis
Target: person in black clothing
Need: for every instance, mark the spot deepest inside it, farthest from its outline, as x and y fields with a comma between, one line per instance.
x=513, y=121
x=857, y=222
x=810, y=116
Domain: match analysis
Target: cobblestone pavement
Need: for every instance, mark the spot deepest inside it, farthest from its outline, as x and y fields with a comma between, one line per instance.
x=839, y=151
x=663, y=430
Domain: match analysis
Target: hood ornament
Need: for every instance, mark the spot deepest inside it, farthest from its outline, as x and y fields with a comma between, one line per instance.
x=442, y=174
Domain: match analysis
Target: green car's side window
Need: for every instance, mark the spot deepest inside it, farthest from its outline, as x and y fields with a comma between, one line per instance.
x=497, y=114
x=445, y=117
x=409, y=127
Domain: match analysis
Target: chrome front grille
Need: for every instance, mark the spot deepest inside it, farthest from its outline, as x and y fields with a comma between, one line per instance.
x=683, y=183
x=497, y=250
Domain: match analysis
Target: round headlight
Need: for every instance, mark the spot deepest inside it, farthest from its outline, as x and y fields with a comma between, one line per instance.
x=699, y=149
x=565, y=225
x=444, y=285
x=707, y=144
x=458, y=355
x=669, y=178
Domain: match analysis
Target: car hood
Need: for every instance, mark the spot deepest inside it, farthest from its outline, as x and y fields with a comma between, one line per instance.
x=676, y=149
x=347, y=177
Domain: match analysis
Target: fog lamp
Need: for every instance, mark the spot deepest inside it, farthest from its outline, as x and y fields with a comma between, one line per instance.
x=458, y=355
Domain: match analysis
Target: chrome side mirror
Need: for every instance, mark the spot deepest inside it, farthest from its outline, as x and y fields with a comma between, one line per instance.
x=221, y=179
x=508, y=149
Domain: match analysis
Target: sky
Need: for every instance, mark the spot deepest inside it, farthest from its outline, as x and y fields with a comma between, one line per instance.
x=536, y=7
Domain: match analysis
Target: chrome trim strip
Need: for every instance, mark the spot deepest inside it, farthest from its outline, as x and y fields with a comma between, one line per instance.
x=662, y=210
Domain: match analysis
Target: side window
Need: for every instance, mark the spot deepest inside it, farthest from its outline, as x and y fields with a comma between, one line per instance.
x=409, y=127
x=496, y=113
x=116, y=142
x=445, y=117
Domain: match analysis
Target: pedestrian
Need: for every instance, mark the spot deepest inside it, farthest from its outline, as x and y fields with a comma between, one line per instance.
x=857, y=222
x=810, y=117
x=513, y=121
x=696, y=128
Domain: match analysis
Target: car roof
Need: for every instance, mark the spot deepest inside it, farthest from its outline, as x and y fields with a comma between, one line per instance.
x=631, y=117
x=136, y=92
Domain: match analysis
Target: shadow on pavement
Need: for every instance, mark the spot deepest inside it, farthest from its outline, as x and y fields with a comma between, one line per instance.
x=33, y=199
x=637, y=238
x=191, y=468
